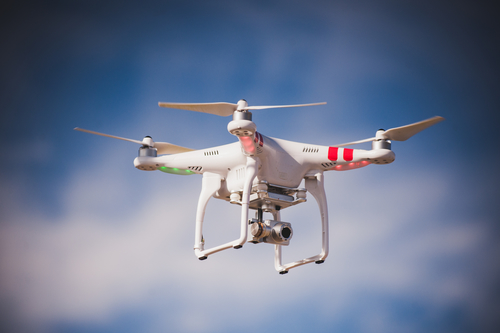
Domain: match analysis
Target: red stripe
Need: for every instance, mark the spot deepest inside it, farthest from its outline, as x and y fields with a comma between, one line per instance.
x=259, y=139
x=333, y=153
x=348, y=154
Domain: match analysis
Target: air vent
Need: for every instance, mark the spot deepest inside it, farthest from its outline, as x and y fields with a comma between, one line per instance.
x=328, y=165
x=211, y=152
x=240, y=173
x=195, y=168
x=310, y=150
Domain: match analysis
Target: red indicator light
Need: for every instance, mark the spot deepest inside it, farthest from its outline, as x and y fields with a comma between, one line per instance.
x=351, y=166
x=247, y=144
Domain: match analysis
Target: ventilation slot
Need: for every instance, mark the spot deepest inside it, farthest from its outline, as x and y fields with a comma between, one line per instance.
x=310, y=150
x=240, y=173
x=211, y=153
x=328, y=165
x=195, y=168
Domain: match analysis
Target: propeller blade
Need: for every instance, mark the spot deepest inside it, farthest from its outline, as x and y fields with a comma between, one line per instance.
x=168, y=148
x=107, y=135
x=280, y=106
x=401, y=133
x=224, y=109
x=219, y=109
x=161, y=147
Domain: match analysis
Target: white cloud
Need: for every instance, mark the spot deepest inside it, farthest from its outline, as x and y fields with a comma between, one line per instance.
x=83, y=266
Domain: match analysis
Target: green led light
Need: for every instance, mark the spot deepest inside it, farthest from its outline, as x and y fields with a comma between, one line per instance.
x=175, y=171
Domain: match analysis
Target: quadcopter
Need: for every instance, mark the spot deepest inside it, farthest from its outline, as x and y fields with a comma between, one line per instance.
x=263, y=174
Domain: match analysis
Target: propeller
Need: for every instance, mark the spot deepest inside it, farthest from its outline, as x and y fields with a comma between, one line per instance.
x=225, y=109
x=161, y=147
x=402, y=133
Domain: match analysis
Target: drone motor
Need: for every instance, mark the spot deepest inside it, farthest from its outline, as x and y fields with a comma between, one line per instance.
x=148, y=151
x=381, y=142
x=242, y=124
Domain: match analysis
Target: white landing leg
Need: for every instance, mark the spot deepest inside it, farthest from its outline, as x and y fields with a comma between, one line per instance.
x=211, y=183
x=314, y=185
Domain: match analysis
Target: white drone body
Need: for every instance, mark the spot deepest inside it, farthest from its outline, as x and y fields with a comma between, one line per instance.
x=263, y=174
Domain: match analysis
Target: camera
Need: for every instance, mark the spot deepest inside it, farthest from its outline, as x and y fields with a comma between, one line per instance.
x=270, y=231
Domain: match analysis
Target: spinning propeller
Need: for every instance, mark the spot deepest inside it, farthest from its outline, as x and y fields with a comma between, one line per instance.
x=226, y=109
x=161, y=147
x=401, y=133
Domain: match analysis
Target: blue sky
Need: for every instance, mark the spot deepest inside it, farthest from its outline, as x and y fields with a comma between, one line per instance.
x=88, y=243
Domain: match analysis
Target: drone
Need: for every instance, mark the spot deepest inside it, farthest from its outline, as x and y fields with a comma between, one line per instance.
x=263, y=174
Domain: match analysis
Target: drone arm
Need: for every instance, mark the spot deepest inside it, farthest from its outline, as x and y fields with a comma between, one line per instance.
x=314, y=185
x=209, y=187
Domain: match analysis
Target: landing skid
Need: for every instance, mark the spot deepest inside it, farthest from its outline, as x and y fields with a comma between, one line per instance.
x=268, y=198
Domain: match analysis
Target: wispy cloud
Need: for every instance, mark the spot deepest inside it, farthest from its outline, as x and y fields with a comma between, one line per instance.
x=87, y=265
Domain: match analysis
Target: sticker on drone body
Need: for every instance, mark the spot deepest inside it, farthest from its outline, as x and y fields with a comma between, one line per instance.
x=347, y=154
x=259, y=139
x=333, y=153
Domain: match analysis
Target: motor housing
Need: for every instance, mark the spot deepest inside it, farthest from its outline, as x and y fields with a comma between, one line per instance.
x=148, y=151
